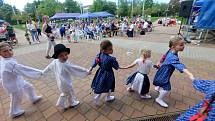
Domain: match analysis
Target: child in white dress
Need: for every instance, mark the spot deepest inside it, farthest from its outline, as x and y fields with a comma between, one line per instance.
x=12, y=80
x=139, y=80
x=63, y=70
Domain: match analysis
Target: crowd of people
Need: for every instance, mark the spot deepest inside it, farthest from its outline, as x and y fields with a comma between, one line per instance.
x=104, y=79
x=98, y=28
x=12, y=72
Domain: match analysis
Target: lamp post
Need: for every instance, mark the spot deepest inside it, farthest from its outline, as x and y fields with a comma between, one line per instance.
x=143, y=8
x=132, y=8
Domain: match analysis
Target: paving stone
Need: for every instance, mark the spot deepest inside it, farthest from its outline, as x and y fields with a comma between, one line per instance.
x=115, y=115
x=102, y=118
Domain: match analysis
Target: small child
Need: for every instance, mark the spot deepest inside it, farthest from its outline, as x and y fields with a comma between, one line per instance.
x=171, y=61
x=63, y=71
x=68, y=35
x=27, y=37
x=75, y=36
x=12, y=80
x=104, y=80
x=139, y=80
x=205, y=110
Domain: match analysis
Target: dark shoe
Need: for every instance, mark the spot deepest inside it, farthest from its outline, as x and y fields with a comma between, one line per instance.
x=48, y=57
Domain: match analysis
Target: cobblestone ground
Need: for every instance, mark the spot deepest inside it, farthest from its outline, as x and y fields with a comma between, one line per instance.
x=127, y=105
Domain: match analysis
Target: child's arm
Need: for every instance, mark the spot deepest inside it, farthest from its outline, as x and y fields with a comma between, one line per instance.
x=76, y=70
x=95, y=62
x=130, y=66
x=190, y=75
x=48, y=68
x=27, y=71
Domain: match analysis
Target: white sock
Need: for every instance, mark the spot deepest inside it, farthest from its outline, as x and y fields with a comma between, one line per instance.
x=159, y=99
x=97, y=98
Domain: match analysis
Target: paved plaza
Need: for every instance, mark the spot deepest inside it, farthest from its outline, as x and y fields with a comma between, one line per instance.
x=199, y=60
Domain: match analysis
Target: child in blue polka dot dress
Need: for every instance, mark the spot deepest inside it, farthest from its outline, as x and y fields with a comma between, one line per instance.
x=204, y=110
x=170, y=63
x=104, y=80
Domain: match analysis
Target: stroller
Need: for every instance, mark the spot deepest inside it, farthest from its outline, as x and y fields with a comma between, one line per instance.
x=4, y=37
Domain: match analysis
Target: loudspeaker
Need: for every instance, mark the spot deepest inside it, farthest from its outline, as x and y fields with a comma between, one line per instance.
x=185, y=8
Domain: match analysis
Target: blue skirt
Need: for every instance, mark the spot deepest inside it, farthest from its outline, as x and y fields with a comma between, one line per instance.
x=103, y=82
x=146, y=83
x=162, y=77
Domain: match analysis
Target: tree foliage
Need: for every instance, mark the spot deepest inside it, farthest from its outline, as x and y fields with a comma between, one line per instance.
x=103, y=5
x=174, y=6
x=49, y=7
x=6, y=12
x=71, y=6
x=1, y=2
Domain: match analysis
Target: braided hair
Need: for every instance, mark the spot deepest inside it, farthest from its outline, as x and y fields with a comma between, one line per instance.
x=104, y=45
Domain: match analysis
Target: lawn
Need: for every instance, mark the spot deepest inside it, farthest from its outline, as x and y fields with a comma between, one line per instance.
x=19, y=26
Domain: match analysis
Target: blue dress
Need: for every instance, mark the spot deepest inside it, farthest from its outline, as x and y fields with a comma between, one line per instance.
x=104, y=79
x=207, y=87
x=162, y=76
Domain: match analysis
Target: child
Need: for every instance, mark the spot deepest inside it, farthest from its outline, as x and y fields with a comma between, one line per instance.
x=12, y=80
x=104, y=80
x=75, y=36
x=205, y=110
x=68, y=35
x=63, y=71
x=139, y=80
x=162, y=77
x=27, y=36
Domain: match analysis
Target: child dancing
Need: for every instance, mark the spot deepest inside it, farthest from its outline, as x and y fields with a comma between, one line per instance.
x=171, y=61
x=12, y=80
x=63, y=71
x=104, y=80
x=139, y=80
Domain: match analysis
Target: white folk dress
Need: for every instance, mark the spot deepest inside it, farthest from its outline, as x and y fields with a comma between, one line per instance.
x=138, y=77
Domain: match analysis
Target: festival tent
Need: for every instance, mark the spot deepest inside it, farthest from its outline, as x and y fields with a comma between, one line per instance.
x=206, y=18
x=2, y=21
x=87, y=15
x=102, y=14
x=58, y=16
x=197, y=5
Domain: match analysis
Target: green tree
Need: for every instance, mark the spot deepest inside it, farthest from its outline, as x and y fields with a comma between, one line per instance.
x=148, y=4
x=1, y=3
x=6, y=12
x=123, y=8
x=49, y=7
x=109, y=7
x=103, y=5
x=71, y=6
x=97, y=5
x=174, y=6
x=30, y=8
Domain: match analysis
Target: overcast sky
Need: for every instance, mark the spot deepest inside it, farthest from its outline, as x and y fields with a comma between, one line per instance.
x=21, y=3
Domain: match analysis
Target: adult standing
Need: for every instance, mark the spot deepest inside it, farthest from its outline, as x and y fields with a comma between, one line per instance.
x=38, y=27
x=47, y=30
x=31, y=26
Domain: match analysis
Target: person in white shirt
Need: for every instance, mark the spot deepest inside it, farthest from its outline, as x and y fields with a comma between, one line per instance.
x=33, y=30
x=12, y=80
x=139, y=80
x=63, y=71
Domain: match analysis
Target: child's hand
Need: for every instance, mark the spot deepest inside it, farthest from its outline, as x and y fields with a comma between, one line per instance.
x=191, y=77
x=89, y=72
x=156, y=66
x=122, y=68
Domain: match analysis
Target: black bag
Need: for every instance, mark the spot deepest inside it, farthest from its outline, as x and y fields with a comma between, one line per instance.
x=142, y=32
